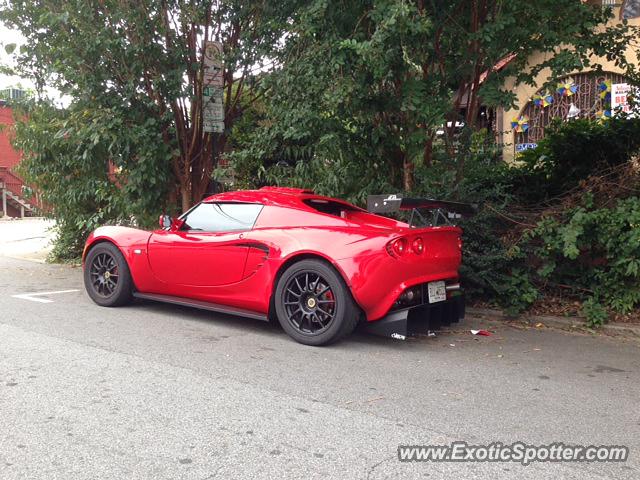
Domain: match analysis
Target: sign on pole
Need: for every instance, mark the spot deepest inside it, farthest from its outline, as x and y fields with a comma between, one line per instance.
x=213, y=68
x=212, y=88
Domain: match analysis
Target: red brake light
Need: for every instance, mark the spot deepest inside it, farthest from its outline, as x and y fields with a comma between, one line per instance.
x=397, y=247
x=418, y=245
x=460, y=243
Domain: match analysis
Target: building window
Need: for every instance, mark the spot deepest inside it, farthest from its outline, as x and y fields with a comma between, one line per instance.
x=12, y=94
x=587, y=98
x=605, y=3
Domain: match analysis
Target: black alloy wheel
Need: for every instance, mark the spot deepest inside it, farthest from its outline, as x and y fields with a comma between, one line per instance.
x=309, y=302
x=106, y=276
x=313, y=303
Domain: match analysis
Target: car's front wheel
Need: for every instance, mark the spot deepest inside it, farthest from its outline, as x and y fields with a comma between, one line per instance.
x=313, y=303
x=106, y=276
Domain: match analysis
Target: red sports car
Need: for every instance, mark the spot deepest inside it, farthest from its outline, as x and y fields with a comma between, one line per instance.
x=317, y=264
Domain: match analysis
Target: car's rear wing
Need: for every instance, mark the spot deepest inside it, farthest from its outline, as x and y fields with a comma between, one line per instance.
x=441, y=208
x=396, y=202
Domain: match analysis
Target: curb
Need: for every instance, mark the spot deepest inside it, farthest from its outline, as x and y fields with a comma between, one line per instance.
x=572, y=323
x=28, y=259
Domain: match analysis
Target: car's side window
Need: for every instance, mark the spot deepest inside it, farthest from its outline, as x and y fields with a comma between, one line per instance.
x=221, y=217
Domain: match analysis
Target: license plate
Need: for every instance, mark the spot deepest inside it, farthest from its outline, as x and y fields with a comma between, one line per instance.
x=437, y=292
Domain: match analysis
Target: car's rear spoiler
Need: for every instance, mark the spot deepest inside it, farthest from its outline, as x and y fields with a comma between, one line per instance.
x=395, y=203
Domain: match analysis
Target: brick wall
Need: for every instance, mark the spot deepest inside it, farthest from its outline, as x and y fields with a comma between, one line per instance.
x=8, y=156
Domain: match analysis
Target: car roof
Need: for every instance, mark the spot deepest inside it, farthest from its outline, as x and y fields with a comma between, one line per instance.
x=279, y=196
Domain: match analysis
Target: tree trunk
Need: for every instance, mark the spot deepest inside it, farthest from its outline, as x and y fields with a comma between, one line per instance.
x=427, y=156
x=463, y=152
x=172, y=199
x=460, y=169
x=408, y=171
x=211, y=153
x=185, y=191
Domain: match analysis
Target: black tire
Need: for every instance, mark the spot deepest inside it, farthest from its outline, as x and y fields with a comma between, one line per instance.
x=320, y=312
x=107, y=278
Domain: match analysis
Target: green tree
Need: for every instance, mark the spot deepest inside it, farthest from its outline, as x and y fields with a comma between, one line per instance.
x=376, y=80
x=88, y=171
x=146, y=56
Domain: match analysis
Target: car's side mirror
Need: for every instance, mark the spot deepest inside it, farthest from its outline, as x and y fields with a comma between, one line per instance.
x=176, y=224
x=165, y=221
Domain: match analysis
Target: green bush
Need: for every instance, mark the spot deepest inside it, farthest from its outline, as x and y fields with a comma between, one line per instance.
x=571, y=152
x=594, y=250
x=492, y=269
x=66, y=155
x=551, y=223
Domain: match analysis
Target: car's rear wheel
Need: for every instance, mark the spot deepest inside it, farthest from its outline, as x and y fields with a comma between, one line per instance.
x=106, y=276
x=313, y=304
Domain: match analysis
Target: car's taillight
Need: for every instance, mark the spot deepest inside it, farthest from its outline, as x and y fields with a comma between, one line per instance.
x=397, y=247
x=460, y=243
x=418, y=245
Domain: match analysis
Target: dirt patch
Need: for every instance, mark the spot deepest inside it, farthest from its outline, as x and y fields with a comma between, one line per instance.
x=564, y=307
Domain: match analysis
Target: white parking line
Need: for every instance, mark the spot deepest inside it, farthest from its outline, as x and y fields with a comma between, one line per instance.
x=33, y=296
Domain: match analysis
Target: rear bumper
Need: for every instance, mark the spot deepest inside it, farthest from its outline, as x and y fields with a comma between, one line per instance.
x=419, y=320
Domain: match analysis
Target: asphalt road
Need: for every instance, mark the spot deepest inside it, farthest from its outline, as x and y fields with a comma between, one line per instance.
x=162, y=392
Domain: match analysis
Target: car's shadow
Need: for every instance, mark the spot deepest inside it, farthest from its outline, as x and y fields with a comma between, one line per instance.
x=205, y=316
x=271, y=328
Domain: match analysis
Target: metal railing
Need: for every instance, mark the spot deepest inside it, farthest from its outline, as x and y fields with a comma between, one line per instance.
x=10, y=181
x=605, y=3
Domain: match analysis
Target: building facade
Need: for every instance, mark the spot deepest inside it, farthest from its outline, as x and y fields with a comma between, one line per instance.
x=582, y=94
x=12, y=193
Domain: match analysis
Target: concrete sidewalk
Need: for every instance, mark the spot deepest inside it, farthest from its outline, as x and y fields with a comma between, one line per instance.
x=28, y=238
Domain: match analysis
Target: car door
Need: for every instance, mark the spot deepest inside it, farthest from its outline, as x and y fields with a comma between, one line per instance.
x=208, y=250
